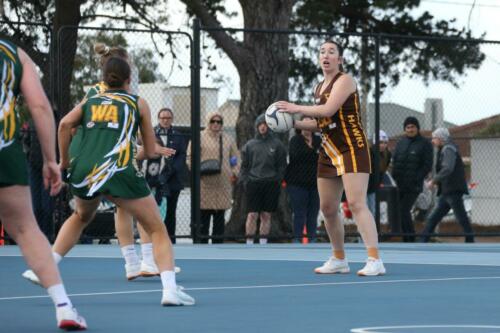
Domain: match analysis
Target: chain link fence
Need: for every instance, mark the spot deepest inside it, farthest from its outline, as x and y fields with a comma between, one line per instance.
x=409, y=82
x=397, y=76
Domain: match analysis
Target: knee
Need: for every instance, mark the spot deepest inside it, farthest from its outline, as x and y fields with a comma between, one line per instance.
x=264, y=216
x=356, y=206
x=252, y=217
x=329, y=210
x=84, y=216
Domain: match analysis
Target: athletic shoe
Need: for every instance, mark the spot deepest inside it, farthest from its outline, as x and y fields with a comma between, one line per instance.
x=149, y=270
x=176, y=297
x=31, y=276
x=373, y=267
x=133, y=271
x=333, y=266
x=68, y=319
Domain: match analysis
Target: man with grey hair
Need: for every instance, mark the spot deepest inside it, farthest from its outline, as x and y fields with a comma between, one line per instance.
x=450, y=180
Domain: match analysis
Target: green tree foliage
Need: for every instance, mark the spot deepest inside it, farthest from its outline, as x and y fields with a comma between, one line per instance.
x=428, y=60
x=491, y=131
x=86, y=70
x=51, y=15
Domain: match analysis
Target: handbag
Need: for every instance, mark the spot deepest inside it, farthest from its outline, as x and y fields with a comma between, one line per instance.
x=212, y=166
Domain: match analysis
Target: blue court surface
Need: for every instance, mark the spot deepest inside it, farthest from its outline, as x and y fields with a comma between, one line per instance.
x=239, y=288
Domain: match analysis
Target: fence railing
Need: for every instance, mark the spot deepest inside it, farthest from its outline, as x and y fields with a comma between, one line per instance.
x=398, y=77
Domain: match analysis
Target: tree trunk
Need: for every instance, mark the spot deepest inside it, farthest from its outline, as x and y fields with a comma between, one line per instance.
x=262, y=64
x=67, y=14
x=263, y=80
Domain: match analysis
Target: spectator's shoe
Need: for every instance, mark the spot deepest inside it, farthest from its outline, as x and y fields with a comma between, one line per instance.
x=373, y=267
x=333, y=266
x=68, y=319
x=149, y=270
x=133, y=271
x=31, y=276
x=176, y=297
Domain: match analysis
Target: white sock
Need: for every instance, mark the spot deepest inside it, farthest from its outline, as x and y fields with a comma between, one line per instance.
x=130, y=255
x=57, y=257
x=168, y=280
x=249, y=241
x=263, y=241
x=59, y=296
x=147, y=253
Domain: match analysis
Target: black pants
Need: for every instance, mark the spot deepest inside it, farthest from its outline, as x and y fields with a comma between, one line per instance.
x=445, y=203
x=406, y=201
x=218, y=225
x=170, y=217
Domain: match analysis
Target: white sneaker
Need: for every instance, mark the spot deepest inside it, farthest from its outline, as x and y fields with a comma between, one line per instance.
x=31, y=276
x=373, y=267
x=149, y=270
x=176, y=297
x=68, y=319
x=333, y=266
x=132, y=271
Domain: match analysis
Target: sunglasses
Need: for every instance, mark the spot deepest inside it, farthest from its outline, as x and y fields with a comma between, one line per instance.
x=165, y=118
x=215, y=121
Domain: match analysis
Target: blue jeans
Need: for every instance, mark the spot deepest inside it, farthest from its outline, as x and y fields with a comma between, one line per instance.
x=371, y=202
x=445, y=202
x=305, y=207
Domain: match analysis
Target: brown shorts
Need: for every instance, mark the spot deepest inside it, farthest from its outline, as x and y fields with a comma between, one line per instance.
x=340, y=163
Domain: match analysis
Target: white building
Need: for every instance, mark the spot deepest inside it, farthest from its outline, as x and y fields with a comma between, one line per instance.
x=177, y=98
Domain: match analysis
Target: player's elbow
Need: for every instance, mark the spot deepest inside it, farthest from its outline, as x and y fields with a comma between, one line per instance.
x=65, y=124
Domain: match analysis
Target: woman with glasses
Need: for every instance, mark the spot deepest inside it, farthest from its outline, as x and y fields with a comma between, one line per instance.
x=216, y=188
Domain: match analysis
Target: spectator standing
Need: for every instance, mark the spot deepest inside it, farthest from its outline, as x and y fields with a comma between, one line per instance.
x=263, y=164
x=301, y=182
x=174, y=167
x=412, y=162
x=384, y=162
x=216, y=188
x=450, y=180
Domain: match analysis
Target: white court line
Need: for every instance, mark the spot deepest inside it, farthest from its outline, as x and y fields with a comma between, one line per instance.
x=269, y=286
x=413, y=327
x=394, y=261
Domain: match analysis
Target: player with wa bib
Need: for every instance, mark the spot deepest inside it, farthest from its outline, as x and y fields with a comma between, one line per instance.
x=105, y=165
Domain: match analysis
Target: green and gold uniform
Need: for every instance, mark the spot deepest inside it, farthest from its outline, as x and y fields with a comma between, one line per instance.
x=76, y=140
x=104, y=162
x=13, y=165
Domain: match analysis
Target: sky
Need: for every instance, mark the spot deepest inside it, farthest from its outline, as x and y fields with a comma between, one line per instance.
x=477, y=97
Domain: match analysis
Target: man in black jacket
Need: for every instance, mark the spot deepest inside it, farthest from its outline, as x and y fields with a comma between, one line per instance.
x=450, y=179
x=412, y=161
x=170, y=169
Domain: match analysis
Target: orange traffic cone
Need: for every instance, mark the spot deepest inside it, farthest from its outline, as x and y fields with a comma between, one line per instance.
x=305, y=240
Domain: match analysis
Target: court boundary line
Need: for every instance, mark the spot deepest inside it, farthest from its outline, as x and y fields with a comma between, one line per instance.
x=284, y=259
x=297, y=285
x=378, y=328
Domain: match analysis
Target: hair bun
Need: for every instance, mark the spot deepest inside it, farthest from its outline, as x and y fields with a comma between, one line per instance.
x=101, y=49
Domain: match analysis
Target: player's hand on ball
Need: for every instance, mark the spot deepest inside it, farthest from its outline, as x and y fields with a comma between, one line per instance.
x=284, y=106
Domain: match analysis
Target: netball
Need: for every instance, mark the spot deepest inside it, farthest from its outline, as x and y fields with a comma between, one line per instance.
x=277, y=121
